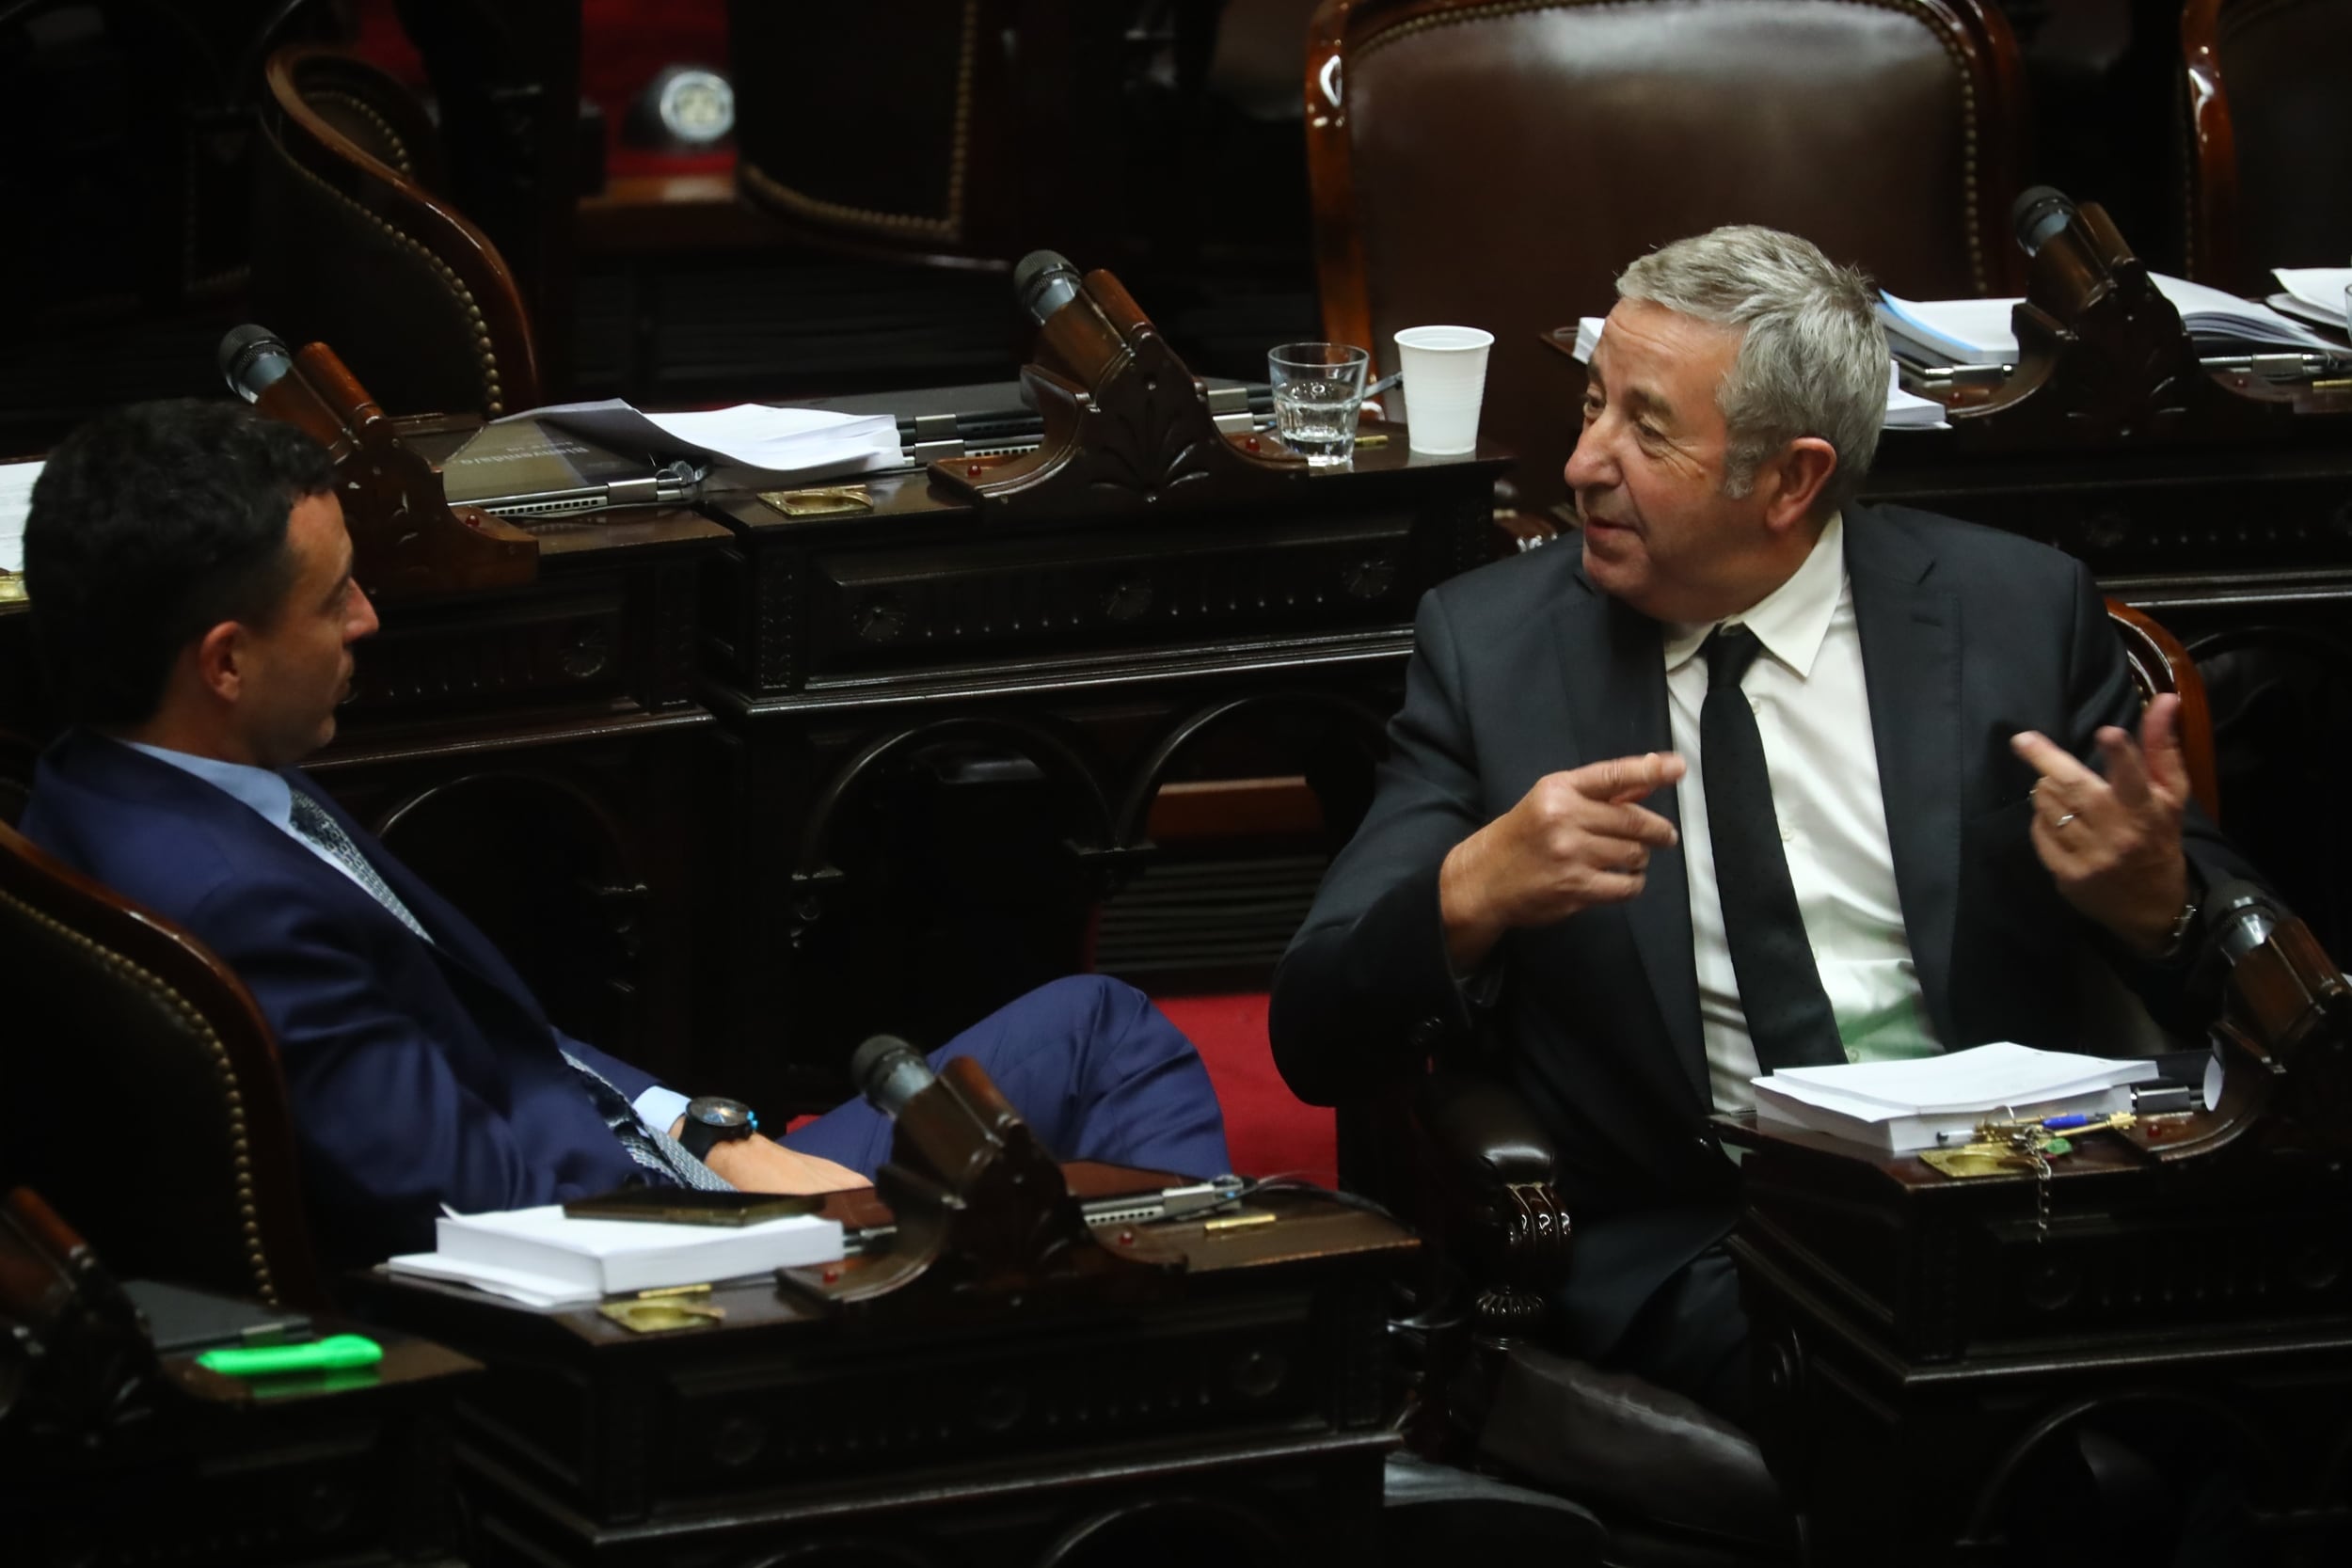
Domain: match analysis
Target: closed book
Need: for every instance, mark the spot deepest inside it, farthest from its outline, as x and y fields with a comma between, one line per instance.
x=609, y=1256
x=1897, y=1107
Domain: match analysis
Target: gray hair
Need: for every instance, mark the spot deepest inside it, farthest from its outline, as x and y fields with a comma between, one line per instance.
x=1812, y=361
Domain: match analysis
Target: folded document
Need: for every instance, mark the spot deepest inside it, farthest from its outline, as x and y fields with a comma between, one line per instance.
x=543, y=1257
x=1978, y=331
x=1899, y=1106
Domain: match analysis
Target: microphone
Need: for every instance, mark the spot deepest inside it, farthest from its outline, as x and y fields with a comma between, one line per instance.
x=2039, y=214
x=252, y=359
x=2239, y=918
x=1043, y=282
x=889, y=1072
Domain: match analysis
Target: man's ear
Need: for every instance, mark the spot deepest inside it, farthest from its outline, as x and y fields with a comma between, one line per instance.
x=1791, y=482
x=218, y=661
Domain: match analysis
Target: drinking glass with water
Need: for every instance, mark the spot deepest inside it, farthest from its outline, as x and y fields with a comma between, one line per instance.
x=1317, y=391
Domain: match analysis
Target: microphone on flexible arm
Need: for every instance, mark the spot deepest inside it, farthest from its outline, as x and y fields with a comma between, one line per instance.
x=1043, y=282
x=889, y=1072
x=253, y=359
x=2038, y=214
x=2239, y=918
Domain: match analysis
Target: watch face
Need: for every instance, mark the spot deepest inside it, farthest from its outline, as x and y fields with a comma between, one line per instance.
x=725, y=1115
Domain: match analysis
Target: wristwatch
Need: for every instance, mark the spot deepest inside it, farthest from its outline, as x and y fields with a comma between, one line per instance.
x=711, y=1121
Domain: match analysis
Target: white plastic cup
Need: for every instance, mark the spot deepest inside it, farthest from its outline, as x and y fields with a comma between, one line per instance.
x=1445, y=381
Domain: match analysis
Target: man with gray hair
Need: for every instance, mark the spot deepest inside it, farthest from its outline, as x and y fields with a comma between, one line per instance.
x=1752, y=777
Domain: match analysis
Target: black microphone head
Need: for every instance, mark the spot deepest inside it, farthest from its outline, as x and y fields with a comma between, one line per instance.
x=889, y=1072
x=2038, y=213
x=251, y=358
x=2239, y=918
x=1044, y=282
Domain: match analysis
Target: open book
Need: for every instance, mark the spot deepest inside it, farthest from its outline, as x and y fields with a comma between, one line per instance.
x=1896, y=1107
x=576, y=456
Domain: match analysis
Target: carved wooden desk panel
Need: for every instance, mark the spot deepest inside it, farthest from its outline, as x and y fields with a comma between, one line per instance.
x=1920, y=1340
x=1238, y=1415
x=1085, y=660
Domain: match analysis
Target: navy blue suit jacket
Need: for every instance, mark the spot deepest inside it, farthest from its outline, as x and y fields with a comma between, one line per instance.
x=418, y=1074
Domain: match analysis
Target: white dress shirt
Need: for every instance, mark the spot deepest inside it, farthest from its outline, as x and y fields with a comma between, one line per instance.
x=1813, y=711
x=272, y=798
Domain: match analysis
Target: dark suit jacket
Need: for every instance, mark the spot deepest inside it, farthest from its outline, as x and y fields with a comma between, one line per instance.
x=1524, y=669
x=418, y=1074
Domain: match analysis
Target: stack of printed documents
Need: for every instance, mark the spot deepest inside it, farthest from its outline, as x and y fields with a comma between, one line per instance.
x=1894, y=1107
x=542, y=1257
x=1977, y=331
x=2314, y=294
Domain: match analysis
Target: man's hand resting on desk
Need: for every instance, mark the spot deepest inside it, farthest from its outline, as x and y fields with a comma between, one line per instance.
x=1575, y=839
x=757, y=1164
x=2113, y=844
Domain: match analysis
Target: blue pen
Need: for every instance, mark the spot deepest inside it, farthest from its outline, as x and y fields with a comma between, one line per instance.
x=2068, y=1123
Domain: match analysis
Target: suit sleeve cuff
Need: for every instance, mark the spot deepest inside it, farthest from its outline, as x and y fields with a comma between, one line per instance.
x=659, y=1108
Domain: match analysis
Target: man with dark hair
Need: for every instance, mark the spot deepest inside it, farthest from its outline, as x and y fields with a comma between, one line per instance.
x=192, y=593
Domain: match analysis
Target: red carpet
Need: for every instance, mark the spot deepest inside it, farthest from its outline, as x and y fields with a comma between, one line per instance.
x=1266, y=1129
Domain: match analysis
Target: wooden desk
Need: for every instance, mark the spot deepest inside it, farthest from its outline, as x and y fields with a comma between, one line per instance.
x=1918, y=1340
x=348, y=1467
x=1237, y=1415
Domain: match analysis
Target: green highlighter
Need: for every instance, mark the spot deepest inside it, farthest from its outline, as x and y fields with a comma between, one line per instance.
x=314, y=1355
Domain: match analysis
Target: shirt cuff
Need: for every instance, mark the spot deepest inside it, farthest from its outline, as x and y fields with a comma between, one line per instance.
x=659, y=1108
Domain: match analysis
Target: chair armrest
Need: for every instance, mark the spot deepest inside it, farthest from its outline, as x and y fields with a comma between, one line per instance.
x=1490, y=1200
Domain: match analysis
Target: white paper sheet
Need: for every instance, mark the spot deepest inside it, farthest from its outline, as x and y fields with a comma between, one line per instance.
x=16, y=499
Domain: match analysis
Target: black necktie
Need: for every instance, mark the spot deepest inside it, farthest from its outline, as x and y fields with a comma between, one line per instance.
x=1780, y=989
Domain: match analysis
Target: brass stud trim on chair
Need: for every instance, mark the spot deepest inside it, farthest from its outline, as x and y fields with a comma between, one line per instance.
x=158, y=990
x=402, y=160
x=459, y=293
x=949, y=227
x=1937, y=23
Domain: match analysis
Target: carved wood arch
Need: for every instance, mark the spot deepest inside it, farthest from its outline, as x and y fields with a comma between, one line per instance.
x=1129, y=831
x=1039, y=743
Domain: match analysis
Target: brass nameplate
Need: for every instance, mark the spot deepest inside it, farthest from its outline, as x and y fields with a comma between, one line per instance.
x=831, y=502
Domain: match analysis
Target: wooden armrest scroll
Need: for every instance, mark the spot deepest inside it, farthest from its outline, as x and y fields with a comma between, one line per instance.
x=406, y=538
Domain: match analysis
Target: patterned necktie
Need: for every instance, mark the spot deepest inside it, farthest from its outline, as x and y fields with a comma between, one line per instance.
x=1788, y=1015
x=650, y=1146
x=316, y=824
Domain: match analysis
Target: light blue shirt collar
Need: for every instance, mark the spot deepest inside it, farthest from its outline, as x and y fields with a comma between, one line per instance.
x=267, y=792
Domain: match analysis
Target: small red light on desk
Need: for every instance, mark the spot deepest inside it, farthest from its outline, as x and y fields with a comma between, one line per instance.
x=1252, y=443
x=832, y=1273
x=972, y=471
x=1126, y=1237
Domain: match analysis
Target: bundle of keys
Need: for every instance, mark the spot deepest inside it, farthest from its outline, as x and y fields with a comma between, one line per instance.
x=2000, y=1148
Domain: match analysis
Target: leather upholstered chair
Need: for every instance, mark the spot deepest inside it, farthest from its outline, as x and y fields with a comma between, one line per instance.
x=1497, y=165
x=2269, y=137
x=1460, y=1158
x=146, y=1100
x=353, y=247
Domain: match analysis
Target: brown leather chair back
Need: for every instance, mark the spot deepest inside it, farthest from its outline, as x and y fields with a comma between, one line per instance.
x=2270, y=137
x=352, y=248
x=145, y=1098
x=2160, y=663
x=1496, y=165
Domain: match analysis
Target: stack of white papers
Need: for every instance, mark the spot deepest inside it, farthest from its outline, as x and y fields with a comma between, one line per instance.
x=542, y=1258
x=1900, y=1106
x=798, y=443
x=1977, y=331
x=2314, y=294
x=1904, y=411
x=16, y=500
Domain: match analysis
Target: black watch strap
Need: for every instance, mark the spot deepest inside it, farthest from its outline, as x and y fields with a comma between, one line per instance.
x=711, y=1121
